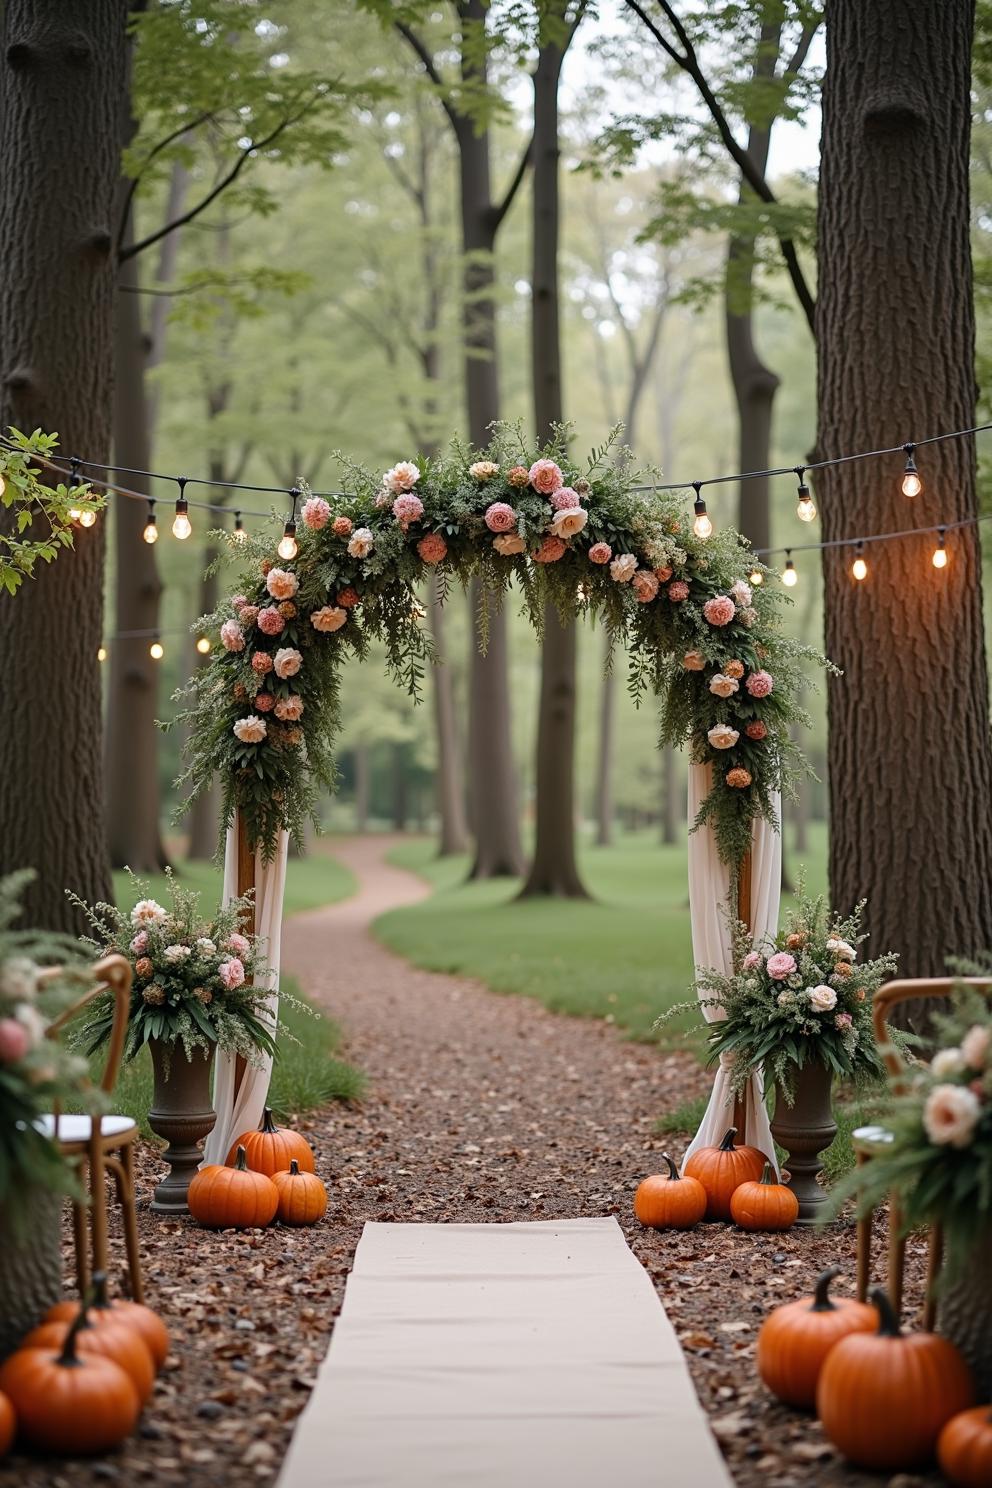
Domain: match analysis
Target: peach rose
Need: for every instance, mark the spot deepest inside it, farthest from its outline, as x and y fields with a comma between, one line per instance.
x=569, y=521
x=287, y=662
x=550, y=550
x=250, y=730
x=600, y=553
x=281, y=584
x=342, y=526
x=289, y=709
x=508, y=544
x=545, y=476
x=316, y=513
x=694, y=661
x=328, y=618
x=623, y=568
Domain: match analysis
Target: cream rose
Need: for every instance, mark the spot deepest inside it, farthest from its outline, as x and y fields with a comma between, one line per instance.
x=360, y=543
x=722, y=686
x=250, y=730
x=947, y=1062
x=950, y=1115
x=975, y=1046
x=722, y=736
x=740, y=593
x=509, y=543
x=842, y=949
x=822, y=999
x=281, y=584
x=287, y=662
x=402, y=477
x=569, y=521
x=483, y=470
x=623, y=568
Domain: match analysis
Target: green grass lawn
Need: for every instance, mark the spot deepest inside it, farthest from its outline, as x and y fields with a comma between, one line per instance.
x=310, y=882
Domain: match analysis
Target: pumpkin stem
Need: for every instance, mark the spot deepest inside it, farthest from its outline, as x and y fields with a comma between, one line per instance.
x=727, y=1145
x=268, y=1125
x=673, y=1171
x=241, y=1161
x=822, y=1301
x=294, y=1167
x=768, y=1174
x=68, y=1358
x=888, y=1323
x=99, y=1297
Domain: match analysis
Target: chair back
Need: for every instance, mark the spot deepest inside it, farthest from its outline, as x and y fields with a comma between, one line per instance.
x=114, y=973
x=892, y=994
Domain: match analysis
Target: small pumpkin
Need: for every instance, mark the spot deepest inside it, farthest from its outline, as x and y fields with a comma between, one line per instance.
x=118, y=1310
x=964, y=1448
x=302, y=1196
x=885, y=1397
x=232, y=1198
x=112, y=1339
x=765, y=1205
x=721, y=1170
x=271, y=1149
x=8, y=1425
x=795, y=1338
x=67, y=1401
x=667, y=1202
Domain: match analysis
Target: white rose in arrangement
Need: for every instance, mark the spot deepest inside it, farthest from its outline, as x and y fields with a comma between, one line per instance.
x=361, y=543
x=287, y=662
x=250, y=730
x=947, y=1062
x=841, y=949
x=975, y=1046
x=205, y=946
x=569, y=521
x=722, y=736
x=148, y=912
x=402, y=477
x=722, y=686
x=950, y=1115
x=822, y=999
x=19, y=979
x=483, y=470
x=623, y=568
x=177, y=953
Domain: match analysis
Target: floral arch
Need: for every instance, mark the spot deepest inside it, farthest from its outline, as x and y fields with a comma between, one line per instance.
x=699, y=616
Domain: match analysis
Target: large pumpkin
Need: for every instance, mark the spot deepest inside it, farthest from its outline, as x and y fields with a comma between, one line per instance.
x=112, y=1339
x=232, y=1198
x=67, y=1401
x=302, y=1196
x=667, y=1202
x=765, y=1205
x=104, y=1310
x=964, y=1448
x=8, y=1425
x=271, y=1149
x=721, y=1170
x=885, y=1397
x=795, y=1339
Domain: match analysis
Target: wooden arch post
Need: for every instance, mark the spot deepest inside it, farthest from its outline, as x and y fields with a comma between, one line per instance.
x=744, y=915
x=246, y=882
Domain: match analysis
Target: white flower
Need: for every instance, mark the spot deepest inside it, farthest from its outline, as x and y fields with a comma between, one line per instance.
x=822, y=999
x=841, y=949
x=19, y=978
x=724, y=687
x=722, y=736
x=975, y=1046
x=509, y=543
x=623, y=568
x=740, y=593
x=569, y=521
x=205, y=946
x=287, y=662
x=250, y=730
x=947, y=1062
x=361, y=543
x=950, y=1115
x=402, y=477
x=31, y=1021
x=483, y=470
x=148, y=912
x=177, y=953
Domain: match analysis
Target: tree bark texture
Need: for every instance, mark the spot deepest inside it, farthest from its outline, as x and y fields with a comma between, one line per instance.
x=453, y=836
x=554, y=869
x=910, y=764
x=671, y=816
x=604, y=755
x=62, y=89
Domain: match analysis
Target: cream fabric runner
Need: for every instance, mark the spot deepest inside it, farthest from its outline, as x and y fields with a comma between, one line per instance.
x=502, y=1356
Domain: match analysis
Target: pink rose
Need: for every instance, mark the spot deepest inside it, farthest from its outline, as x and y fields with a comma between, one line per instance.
x=600, y=553
x=316, y=513
x=545, y=477
x=140, y=942
x=565, y=499
x=843, y=1020
x=287, y=662
x=720, y=610
x=232, y=636
x=751, y=961
x=342, y=526
x=264, y=702
x=328, y=618
x=270, y=622
x=14, y=1041
x=281, y=584
x=239, y=944
x=500, y=517
x=644, y=585
x=289, y=708
x=432, y=548
x=408, y=508
x=677, y=590
x=231, y=973
x=551, y=549
x=781, y=965
x=261, y=663
x=759, y=684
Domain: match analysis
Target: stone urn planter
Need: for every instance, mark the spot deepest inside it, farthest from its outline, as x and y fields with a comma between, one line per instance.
x=964, y=1308
x=182, y=1115
x=31, y=1264
x=805, y=1130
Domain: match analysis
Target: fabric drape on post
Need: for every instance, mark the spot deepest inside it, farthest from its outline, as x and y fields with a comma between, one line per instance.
x=239, y=1106
x=709, y=893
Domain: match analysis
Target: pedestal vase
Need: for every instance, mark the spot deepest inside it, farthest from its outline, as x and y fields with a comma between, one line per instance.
x=805, y=1129
x=182, y=1114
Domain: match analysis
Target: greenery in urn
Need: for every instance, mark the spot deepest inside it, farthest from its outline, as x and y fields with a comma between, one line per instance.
x=798, y=999
x=197, y=982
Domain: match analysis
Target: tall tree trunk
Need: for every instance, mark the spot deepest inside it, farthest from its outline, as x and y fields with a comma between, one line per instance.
x=670, y=819
x=62, y=94
x=450, y=802
x=554, y=869
x=362, y=788
x=401, y=786
x=604, y=755
x=910, y=762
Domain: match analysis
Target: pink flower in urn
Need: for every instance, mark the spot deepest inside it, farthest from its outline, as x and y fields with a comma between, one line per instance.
x=231, y=973
x=550, y=550
x=408, y=508
x=500, y=517
x=566, y=498
x=261, y=663
x=239, y=945
x=342, y=526
x=14, y=1040
x=289, y=709
x=316, y=513
x=781, y=965
x=600, y=553
x=644, y=585
x=719, y=610
x=232, y=636
x=432, y=548
x=752, y=961
x=270, y=622
x=264, y=702
x=677, y=591
x=545, y=476
x=759, y=684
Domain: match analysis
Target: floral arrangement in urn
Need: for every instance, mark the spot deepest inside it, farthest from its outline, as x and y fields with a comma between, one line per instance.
x=192, y=977
x=800, y=999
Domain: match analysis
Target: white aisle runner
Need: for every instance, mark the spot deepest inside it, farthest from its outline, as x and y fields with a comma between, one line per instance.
x=502, y=1356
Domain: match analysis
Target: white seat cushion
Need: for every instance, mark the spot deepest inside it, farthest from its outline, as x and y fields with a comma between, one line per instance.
x=877, y=1135
x=78, y=1128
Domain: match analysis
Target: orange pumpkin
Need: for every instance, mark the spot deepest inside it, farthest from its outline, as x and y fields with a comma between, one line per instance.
x=964, y=1448
x=302, y=1196
x=271, y=1149
x=232, y=1198
x=765, y=1205
x=113, y=1340
x=135, y=1314
x=795, y=1339
x=667, y=1202
x=67, y=1401
x=8, y=1425
x=885, y=1397
x=721, y=1170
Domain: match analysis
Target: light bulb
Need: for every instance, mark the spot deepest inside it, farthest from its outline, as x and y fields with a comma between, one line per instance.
x=287, y=545
x=87, y=518
x=202, y=645
x=789, y=577
x=756, y=577
x=101, y=654
x=181, y=526
x=156, y=650
x=859, y=567
x=939, y=559
x=911, y=483
x=74, y=514
x=150, y=533
x=239, y=531
x=806, y=510
x=702, y=526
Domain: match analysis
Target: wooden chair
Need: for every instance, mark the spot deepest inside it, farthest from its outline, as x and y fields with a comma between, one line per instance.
x=868, y=1141
x=104, y=1142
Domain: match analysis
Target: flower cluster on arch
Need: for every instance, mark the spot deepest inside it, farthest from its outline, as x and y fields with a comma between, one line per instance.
x=699, y=632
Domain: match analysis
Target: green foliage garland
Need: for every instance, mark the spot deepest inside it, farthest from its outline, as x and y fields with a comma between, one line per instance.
x=652, y=594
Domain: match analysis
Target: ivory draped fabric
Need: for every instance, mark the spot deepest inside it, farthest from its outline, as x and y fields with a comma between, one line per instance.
x=241, y=1112
x=709, y=890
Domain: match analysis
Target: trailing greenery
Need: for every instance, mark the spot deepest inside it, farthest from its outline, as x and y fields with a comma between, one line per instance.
x=54, y=508
x=264, y=713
